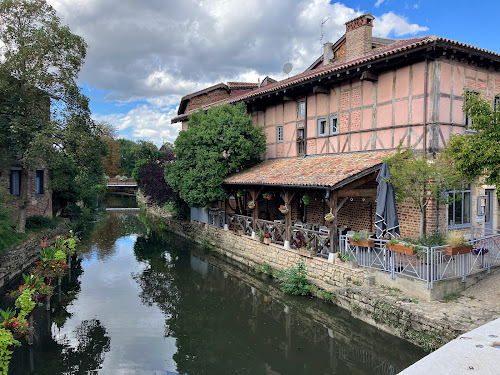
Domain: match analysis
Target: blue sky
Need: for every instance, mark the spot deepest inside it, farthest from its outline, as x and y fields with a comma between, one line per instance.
x=144, y=56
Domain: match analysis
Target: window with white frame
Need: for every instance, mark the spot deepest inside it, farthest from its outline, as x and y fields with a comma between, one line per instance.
x=459, y=208
x=279, y=134
x=333, y=125
x=301, y=108
x=322, y=127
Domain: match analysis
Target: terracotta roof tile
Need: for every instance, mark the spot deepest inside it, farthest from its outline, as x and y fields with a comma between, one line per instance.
x=313, y=171
x=381, y=52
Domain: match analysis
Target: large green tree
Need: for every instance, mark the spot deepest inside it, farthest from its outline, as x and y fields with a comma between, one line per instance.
x=216, y=144
x=477, y=152
x=40, y=62
x=420, y=179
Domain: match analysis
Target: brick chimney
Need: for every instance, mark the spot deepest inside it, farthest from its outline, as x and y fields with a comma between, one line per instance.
x=358, y=36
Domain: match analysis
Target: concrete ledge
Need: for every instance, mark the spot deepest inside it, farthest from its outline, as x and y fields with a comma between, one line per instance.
x=476, y=352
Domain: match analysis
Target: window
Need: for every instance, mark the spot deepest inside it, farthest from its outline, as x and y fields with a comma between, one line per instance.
x=459, y=209
x=301, y=109
x=39, y=182
x=300, y=144
x=322, y=127
x=333, y=125
x=279, y=134
x=15, y=182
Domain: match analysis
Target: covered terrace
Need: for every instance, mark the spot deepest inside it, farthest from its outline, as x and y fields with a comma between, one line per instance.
x=310, y=187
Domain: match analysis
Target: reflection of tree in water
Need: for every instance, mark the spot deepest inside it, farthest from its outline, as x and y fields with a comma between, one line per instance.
x=88, y=355
x=109, y=229
x=157, y=280
x=223, y=325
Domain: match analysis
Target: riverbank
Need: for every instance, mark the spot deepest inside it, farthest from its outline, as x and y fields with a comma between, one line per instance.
x=426, y=324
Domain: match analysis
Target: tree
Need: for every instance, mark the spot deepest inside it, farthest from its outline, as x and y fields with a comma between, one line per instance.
x=110, y=161
x=216, y=144
x=477, y=153
x=152, y=178
x=420, y=179
x=128, y=155
x=43, y=59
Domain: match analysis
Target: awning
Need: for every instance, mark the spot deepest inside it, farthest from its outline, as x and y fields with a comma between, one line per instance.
x=315, y=171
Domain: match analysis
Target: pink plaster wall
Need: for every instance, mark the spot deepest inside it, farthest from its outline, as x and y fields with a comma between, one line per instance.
x=418, y=70
x=444, y=109
x=384, y=116
x=367, y=88
x=402, y=82
x=290, y=111
x=384, y=88
x=321, y=101
x=401, y=115
x=445, y=85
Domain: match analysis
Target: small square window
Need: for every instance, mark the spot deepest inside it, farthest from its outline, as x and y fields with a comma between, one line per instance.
x=322, y=127
x=301, y=109
x=333, y=125
x=39, y=182
x=279, y=134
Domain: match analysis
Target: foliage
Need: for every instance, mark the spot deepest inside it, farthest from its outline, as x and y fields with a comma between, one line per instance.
x=478, y=151
x=306, y=199
x=8, y=234
x=128, y=155
x=260, y=236
x=18, y=325
x=152, y=179
x=455, y=239
x=25, y=302
x=294, y=281
x=41, y=222
x=420, y=179
x=7, y=314
x=435, y=239
x=451, y=297
x=137, y=168
x=216, y=144
x=393, y=242
x=111, y=160
x=6, y=340
x=40, y=62
x=359, y=236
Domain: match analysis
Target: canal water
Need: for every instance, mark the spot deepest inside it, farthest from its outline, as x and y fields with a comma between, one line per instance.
x=141, y=303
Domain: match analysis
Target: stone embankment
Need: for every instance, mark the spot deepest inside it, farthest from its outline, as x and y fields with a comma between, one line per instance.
x=22, y=256
x=426, y=324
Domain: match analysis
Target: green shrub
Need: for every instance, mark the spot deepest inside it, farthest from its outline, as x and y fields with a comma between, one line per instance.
x=6, y=340
x=294, y=281
x=41, y=222
x=8, y=234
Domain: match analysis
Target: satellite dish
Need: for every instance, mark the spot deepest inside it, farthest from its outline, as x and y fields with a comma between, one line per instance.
x=287, y=68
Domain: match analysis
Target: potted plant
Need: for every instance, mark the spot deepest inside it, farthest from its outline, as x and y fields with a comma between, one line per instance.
x=349, y=259
x=304, y=246
x=329, y=217
x=267, y=196
x=283, y=209
x=251, y=205
x=457, y=244
x=306, y=199
x=400, y=247
x=18, y=326
x=300, y=138
x=361, y=239
x=267, y=239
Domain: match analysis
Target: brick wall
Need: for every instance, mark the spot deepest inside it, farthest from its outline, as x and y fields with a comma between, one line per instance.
x=358, y=38
x=38, y=204
x=204, y=99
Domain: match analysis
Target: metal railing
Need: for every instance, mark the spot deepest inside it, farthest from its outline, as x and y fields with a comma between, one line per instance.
x=429, y=264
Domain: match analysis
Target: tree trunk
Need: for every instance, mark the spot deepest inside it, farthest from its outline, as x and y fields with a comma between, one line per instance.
x=423, y=222
x=23, y=201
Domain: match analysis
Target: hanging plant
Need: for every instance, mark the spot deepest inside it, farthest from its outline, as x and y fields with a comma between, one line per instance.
x=283, y=209
x=267, y=196
x=306, y=199
x=251, y=205
x=241, y=193
x=329, y=217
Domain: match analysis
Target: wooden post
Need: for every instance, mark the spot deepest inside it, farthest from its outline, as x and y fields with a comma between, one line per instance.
x=288, y=198
x=333, y=225
x=255, y=213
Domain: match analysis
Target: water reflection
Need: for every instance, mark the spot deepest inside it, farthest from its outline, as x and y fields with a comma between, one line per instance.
x=138, y=303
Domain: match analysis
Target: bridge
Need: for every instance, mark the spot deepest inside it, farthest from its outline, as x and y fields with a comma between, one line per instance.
x=118, y=186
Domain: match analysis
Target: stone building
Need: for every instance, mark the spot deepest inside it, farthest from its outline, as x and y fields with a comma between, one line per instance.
x=329, y=127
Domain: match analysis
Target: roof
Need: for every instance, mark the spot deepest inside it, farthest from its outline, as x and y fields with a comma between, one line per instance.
x=315, y=171
x=386, y=51
x=242, y=85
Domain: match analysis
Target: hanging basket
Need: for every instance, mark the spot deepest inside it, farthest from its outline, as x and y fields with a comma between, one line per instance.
x=284, y=211
x=251, y=205
x=329, y=218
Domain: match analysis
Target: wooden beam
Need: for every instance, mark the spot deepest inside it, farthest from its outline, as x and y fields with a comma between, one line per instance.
x=357, y=193
x=339, y=206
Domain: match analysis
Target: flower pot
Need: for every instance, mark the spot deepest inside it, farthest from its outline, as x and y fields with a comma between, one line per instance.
x=362, y=243
x=267, y=240
x=329, y=219
x=284, y=211
x=400, y=248
x=465, y=249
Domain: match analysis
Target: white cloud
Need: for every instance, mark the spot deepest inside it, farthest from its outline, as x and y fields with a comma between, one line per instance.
x=378, y=3
x=398, y=25
x=157, y=51
x=145, y=122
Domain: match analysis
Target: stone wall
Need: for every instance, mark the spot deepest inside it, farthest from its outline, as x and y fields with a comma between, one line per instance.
x=22, y=256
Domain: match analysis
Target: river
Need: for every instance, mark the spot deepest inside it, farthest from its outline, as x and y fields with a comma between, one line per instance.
x=142, y=303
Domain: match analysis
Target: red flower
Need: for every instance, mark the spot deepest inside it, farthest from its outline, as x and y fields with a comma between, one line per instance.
x=43, y=245
x=44, y=240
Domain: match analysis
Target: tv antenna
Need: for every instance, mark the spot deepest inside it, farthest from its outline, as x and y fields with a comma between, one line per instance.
x=322, y=32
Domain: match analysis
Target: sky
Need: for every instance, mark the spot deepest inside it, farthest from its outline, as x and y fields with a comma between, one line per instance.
x=143, y=56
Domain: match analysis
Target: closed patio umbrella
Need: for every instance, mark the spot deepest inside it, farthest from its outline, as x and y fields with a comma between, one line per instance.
x=386, y=218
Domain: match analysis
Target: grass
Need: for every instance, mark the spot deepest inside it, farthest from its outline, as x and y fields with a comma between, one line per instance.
x=451, y=297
